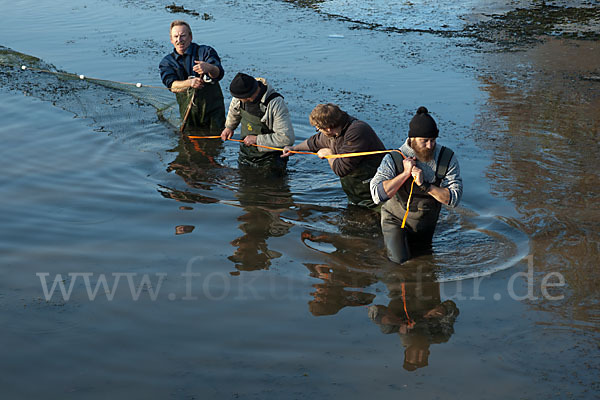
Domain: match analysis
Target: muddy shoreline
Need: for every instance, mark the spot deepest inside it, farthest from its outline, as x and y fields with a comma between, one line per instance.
x=510, y=30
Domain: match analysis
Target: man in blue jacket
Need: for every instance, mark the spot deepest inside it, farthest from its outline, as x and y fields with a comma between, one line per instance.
x=193, y=71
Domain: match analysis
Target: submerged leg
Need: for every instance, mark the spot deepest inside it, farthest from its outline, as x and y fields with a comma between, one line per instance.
x=395, y=238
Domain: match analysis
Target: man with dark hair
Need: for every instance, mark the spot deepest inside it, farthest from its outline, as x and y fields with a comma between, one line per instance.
x=437, y=181
x=264, y=119
x=193, y=72
x=339, y=133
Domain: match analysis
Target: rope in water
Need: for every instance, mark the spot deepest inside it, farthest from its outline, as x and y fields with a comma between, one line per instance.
x=83, y=77
x=344, y=155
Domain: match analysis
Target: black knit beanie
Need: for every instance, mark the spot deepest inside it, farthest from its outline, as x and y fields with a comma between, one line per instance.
x=423, y=125
x=243, y=86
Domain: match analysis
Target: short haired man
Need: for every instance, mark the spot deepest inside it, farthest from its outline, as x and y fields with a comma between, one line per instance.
x=192, y=67
x=339, y=133
x=437, y=178
x=264, y=119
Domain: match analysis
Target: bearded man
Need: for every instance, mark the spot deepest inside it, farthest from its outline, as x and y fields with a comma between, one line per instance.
x=437, y=181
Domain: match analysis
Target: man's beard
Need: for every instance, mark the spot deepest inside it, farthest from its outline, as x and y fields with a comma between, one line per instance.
x=424, y=154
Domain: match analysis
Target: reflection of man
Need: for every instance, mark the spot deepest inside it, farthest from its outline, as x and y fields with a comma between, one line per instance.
x=417, y=314
x=340, y=133
x=265, y=121
x=194, y=68
x=263, y=201
x=196, y=161
x=437, y=181
x=331, y=295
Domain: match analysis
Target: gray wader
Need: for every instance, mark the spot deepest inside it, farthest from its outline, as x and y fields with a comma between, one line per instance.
x=422, y=217
x=356, y=183
x=208, y=110
x=251, y=124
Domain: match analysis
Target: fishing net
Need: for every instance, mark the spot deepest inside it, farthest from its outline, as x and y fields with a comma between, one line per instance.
x=112, y=105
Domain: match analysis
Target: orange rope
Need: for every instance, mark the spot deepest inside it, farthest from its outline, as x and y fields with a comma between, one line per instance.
x=362, y=153
x=257, y=145
x=411, y=323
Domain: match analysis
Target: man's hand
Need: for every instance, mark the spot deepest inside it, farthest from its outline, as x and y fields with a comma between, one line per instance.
x=324, y=152
x=196, y=83
x=226, y=134
x=417, y=173
x=408, y=163
x=250, y=140
x=287, y=151
x=202, y=67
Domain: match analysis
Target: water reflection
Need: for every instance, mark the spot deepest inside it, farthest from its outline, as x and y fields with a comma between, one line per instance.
x=350, y=266
x=196, y=159
x=332, y=294
x=263, y=196
x=543, y=121
x=416, y=313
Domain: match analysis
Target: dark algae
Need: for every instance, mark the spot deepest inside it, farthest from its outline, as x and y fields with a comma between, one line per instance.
x=513, y=29
x=524, y=26
x=175, y=9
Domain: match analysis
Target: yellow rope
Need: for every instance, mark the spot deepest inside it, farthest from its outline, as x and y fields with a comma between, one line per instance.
x=363, y=153
x=408, y=203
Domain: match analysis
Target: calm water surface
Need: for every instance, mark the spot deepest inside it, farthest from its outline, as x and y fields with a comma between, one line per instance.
x=222, y=284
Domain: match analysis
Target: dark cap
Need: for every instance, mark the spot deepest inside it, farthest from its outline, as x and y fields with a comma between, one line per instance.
x=243, y=86
x=423, y=125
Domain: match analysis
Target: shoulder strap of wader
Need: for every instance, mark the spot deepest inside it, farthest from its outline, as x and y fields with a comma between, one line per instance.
x=271, y=97
x=397, y=157
x=443, y=163
x=265, y=103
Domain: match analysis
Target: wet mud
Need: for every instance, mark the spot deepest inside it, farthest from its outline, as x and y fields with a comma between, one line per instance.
x=508, y=31
x=527, y=26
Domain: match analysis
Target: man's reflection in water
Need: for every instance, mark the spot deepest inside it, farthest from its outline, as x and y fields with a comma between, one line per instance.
x=264, y=195
x=332, y=295
x=196, y=158
x=348, y=269
x=195, y=163
x=416, y=313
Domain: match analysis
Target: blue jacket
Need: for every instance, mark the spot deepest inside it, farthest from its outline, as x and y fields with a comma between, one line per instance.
x=176, y=67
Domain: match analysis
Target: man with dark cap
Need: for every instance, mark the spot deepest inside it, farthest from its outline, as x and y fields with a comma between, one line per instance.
x=339, y=133
x=437, y=181
x=193, y=72
x=265, y=121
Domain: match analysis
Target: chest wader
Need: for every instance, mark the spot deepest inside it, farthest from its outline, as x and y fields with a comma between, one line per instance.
x=356, y=183
x=422, y=217
x=251, y=124
x=208, y=110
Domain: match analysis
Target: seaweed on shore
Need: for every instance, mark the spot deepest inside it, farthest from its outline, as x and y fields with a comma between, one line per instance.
x=524, y=26
x=512, y=30
x=173, y=8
